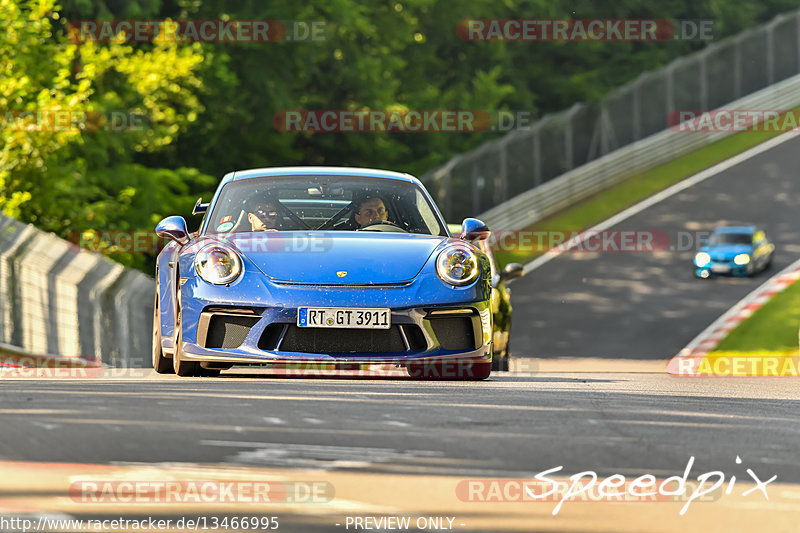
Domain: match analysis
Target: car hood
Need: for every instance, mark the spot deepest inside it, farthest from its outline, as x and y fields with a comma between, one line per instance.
x=727, y=250
x=365, y=258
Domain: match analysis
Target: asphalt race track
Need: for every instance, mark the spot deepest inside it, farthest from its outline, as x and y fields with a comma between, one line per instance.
x=649, y=305
x=397, y=447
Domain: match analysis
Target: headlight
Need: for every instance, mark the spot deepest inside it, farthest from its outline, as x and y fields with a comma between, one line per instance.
x=457, y=265
x=702, y=259
x=217, y=264
x=742, y=259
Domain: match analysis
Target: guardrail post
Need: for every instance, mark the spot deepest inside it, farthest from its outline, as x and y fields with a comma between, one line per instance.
x=446, y=182
x=503, y=164
x=15, y=236
x=568, y=138
x=537, y=155
x=704, y=81
x=477, y=183
x=636, y=111
x=106, y=314
x=737, y=66
x=141, y=316
x=797, y=32
x=26, y=240
x=670, y=75
x=59, y=266
x=770, y=51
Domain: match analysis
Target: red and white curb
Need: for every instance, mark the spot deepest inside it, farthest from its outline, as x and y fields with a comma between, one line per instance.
x=685, y=363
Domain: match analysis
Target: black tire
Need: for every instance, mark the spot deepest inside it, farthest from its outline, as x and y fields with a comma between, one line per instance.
x=161, y=363
x=497, y=361
x=208, y=372
x=181, y=368
x=500, y=361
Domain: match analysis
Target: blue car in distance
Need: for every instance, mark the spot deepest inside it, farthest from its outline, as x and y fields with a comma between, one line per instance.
x=734, y=251
x=326, y=266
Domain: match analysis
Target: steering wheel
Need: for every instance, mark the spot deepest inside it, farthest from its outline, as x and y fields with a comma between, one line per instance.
x=379, y=223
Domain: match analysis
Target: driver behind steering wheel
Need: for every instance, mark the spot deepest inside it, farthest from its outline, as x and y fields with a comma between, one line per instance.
x=370, y=209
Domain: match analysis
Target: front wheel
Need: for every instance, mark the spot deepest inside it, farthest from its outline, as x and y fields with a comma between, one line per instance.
x=500, y=361
x=161, y=363
x=182, y=368
x=507, y=360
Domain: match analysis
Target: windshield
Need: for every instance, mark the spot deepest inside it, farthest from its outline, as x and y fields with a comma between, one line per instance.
x=730, y=238
x=331, y=203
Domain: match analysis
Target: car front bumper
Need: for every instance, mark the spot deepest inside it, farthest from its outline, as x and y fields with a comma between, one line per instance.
x=442, y=324
x=722, y=268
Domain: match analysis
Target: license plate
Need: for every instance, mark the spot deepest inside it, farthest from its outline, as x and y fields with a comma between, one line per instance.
x=339, y=317
x=720, y=268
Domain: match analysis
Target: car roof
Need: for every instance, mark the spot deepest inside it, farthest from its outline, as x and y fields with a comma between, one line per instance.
x=735, y=229
x=328, y=171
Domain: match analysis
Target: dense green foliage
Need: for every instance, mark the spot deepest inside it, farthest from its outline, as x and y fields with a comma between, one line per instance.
x=209, y=106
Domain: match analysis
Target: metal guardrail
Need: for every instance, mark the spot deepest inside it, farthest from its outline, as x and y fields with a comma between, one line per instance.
x=533, y=172
x=58, y=300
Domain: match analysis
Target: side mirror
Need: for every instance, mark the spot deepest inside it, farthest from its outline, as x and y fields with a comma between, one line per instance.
x=173, y=228
x=511, y=271
x=473, y=230
x=199, y=207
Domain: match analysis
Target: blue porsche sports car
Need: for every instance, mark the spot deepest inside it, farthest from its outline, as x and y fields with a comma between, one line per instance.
x=734, y=251
x=323, y=265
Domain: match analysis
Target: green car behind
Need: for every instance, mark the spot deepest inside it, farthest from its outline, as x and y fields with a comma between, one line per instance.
x=501, y=302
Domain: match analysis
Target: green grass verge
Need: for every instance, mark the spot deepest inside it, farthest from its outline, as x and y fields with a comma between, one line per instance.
x=773, y=327
x=611, y=201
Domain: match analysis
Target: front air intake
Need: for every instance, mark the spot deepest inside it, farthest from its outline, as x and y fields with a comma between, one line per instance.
x=455, y=332
x=228, y=331
x=342, y=340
